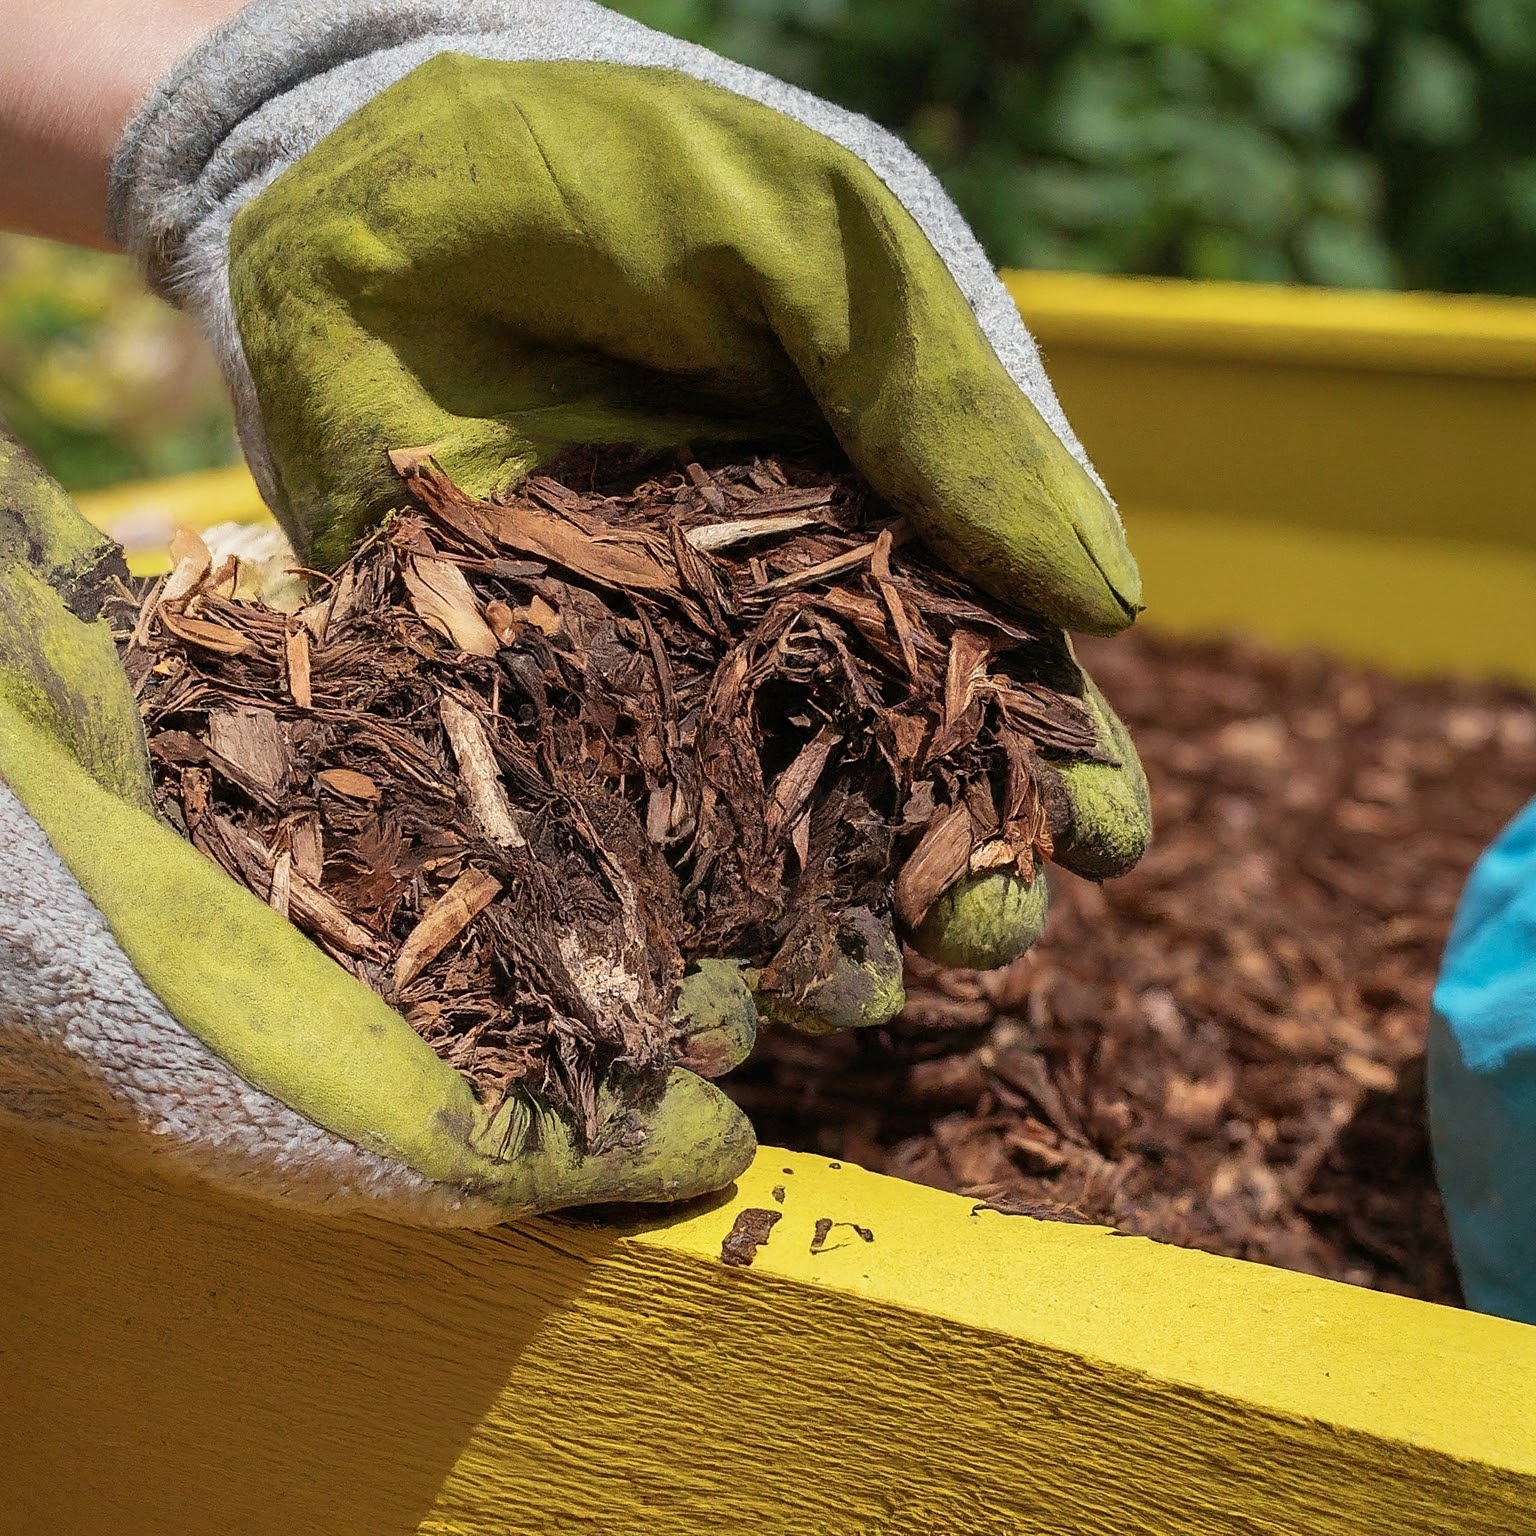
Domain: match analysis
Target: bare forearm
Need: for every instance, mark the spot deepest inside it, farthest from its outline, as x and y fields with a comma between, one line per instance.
x=71, y=74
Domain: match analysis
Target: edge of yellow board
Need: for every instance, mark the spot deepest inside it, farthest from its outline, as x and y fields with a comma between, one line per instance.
x=144, y=516
x=1432, y=333
x=1304, y=465
x=894, y=1360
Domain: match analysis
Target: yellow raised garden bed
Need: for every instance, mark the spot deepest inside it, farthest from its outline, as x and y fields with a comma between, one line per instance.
x=1320, y=468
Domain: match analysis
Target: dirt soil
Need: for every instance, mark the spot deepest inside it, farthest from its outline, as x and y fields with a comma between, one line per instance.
x=1223, y=1050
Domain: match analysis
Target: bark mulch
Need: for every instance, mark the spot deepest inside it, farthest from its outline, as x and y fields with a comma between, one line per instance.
x=519, y=762
x=1224, y=1049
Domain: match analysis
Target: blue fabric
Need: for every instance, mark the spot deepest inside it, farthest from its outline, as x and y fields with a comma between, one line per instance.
x=1482, y=1077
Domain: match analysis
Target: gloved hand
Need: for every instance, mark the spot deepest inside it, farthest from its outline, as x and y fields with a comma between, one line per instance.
x=503, y=227
x=499, y=229
x=1482, y=1077
x=139, y=985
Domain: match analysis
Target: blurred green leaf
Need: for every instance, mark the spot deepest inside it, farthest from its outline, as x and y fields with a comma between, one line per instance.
x=1328, y=141
x=1506, y=29
x=1430, y=92
x=103, y=382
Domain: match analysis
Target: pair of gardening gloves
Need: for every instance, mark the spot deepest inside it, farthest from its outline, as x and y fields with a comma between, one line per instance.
x=496, y=229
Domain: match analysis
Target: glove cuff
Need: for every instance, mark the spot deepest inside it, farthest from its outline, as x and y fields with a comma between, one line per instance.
x=235, y=111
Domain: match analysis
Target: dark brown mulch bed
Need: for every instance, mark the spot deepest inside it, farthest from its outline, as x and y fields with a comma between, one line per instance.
x=1224, y=1049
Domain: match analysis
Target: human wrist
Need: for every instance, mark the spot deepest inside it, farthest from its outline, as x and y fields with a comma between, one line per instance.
x=71, y=76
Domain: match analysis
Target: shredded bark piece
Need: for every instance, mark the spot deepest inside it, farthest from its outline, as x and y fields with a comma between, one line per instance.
x=443, y=922
x=519, y=762
x=297, y=648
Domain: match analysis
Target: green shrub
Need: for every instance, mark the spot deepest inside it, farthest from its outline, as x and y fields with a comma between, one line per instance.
x=100, y=379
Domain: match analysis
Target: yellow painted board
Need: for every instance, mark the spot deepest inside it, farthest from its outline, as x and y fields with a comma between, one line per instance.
x=1324, y=448
x=1416, y=606
x=1434, y=333
x=1400, y=414
x=177, y=1362
x=143, y=517
x=1343, y=469
x=1350, y=470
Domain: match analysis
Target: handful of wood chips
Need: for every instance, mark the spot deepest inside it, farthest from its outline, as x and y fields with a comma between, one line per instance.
x=519, y=762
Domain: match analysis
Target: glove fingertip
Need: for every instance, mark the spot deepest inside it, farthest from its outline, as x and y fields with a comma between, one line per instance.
x=715, y=1019
x=986, y=922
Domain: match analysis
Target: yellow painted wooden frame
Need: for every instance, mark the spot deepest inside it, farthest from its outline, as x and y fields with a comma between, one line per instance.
x=1350, y=470
x=182, y=1364
x=175, y=1361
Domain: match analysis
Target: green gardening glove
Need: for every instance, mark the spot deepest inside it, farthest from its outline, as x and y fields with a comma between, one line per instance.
x=141, y=990
x=504, y=227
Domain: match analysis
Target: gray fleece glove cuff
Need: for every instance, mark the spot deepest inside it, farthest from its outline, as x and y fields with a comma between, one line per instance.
x=280, y=76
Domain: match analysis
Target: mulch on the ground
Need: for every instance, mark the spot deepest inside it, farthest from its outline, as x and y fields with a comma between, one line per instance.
x=1224, y=1049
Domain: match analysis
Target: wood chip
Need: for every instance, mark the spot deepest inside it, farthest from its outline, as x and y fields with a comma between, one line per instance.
x=297, y=649
x=543, y=616
x=717, y=536
x=479, y=774
x=441, y=596
x=824, y=570
x=795, y=786
x=349, y=782
x=443, y=922
x=890, y=595
x=503, y=622
x=251, y=742
x=191, y=562
x=749, y=1232
x=523, y=526
x=937, y=862
x=282, y=882
x=964, y=675
x=306, y=841
x=204, y=635
x=313, y=910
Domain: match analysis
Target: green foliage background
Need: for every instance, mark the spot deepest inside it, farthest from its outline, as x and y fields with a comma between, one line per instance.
x=1385, y=143
x=1379, y=143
